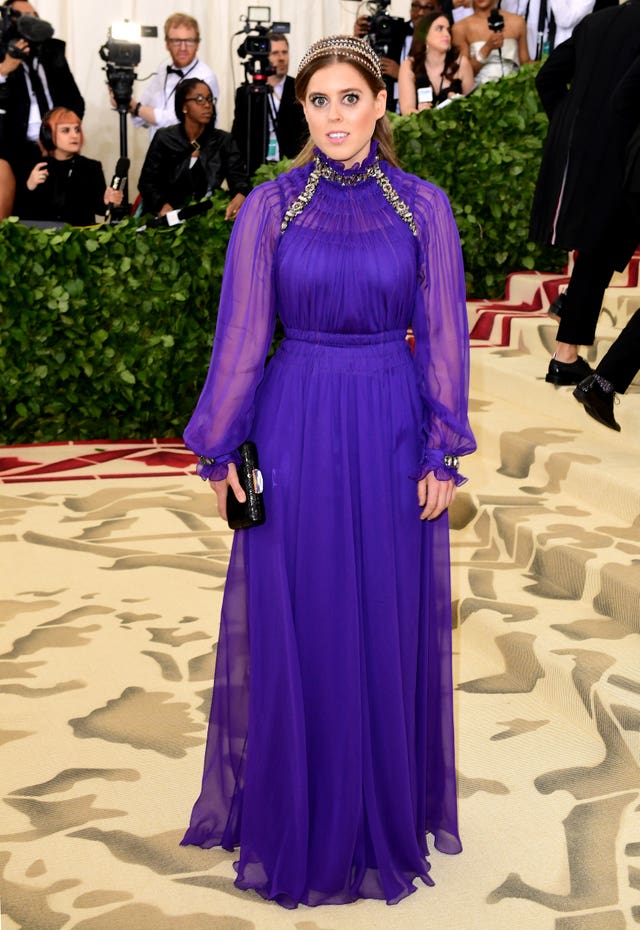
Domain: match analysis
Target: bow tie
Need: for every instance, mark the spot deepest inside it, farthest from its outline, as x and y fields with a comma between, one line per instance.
x=177, y=71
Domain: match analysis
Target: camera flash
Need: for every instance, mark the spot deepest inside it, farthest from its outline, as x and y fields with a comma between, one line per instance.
x=125, y=31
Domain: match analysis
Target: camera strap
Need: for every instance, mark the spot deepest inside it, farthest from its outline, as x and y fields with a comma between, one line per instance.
x=550, y=29
x=181, y=75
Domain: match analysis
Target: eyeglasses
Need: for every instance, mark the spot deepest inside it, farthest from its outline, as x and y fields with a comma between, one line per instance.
x=200, y=99
x=188, y=42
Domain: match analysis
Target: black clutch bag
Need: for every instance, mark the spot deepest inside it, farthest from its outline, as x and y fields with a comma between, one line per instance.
x=251, y=513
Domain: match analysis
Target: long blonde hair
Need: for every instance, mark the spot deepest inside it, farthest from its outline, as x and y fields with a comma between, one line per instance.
x=335, y=55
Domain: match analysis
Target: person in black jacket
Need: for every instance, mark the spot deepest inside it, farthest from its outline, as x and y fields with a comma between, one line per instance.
x=41, y=81
x=579, y=201
x=65, y=186
x=188, y=161
x=284, y=132
x=621, y=364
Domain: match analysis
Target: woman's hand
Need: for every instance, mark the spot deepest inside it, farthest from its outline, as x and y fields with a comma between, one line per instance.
x=38, y=176
x=220, y=487
x=435, y=496
x=113, y=196
x=234, y=205
x=495, y=40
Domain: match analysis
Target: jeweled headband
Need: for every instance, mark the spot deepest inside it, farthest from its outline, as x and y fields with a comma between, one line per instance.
x=347, y=47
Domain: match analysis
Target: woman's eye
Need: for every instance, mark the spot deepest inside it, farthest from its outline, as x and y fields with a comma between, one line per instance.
x=319, y=100
x=351, y=98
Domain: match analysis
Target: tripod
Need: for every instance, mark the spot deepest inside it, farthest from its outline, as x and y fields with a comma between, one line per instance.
x=255, y=107
x=120, y=81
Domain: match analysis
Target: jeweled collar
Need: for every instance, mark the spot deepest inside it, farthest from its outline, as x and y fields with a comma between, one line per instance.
x=347, y=177
x=335, y=172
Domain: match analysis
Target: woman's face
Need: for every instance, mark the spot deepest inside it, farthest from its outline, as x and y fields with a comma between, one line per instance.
x=198, y=106
x=68, y=140
x=342, y=112
x=439, y=35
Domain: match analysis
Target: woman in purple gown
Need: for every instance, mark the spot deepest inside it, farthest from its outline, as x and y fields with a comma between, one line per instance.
x=330, y=752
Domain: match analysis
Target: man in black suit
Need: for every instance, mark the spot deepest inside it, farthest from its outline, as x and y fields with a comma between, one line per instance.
x=32, y=86
x=621, y=364
x=579, y=202
x=284, y=132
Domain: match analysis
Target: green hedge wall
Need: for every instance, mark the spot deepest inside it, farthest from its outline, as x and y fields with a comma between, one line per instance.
x=484, y=151
x=105, y=332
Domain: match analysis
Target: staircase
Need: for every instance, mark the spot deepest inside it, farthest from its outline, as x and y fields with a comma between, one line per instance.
x=536, y=445
x=546, y=582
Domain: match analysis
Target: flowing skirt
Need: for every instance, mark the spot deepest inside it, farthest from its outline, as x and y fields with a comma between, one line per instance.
x=330, y=750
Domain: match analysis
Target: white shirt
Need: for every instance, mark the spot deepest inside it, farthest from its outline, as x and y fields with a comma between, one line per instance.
x=160, y=93
x=567, y=14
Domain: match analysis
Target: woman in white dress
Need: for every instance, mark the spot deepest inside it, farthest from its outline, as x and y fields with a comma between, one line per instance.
x=493, y=53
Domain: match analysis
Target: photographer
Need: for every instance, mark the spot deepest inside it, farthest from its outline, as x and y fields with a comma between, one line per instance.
x=188, y=161
x=398, y=47
x=156, y=107
x=36, y=77
x=286, y=131
x=495, y=43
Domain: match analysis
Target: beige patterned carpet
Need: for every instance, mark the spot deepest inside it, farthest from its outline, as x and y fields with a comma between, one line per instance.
x=113, y=562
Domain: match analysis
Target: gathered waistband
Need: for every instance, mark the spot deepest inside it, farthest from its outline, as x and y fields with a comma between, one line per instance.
x=349, y=353
x=349, y=340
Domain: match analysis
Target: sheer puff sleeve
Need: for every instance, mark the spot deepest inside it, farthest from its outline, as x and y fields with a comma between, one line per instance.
x=223, y=416
x=441, y=332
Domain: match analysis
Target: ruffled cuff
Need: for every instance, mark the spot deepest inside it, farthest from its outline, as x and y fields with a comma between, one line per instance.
x=442, y=464
x=216, y=469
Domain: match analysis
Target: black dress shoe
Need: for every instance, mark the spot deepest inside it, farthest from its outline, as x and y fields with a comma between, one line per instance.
x=597, y=403
x=568, y=372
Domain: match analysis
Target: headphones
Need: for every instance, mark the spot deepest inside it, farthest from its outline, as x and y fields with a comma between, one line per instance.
x=46, y=134
x=46, y=138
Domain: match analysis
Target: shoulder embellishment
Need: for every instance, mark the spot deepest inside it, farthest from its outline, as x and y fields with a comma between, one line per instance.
x=373, y=172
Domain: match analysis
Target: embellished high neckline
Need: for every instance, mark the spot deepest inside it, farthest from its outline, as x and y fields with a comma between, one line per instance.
x=335, y=170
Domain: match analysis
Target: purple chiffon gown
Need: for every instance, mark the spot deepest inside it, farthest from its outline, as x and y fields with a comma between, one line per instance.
x=330, y=751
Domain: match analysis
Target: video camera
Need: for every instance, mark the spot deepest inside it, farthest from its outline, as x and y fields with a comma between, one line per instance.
x=382, y=27
x=15, y=26
x=256, y=48
x=122, y=54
